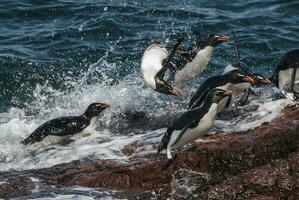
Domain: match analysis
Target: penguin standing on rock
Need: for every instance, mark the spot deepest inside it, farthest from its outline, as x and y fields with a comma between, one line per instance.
x=155, y=61
x=64, y=126
x=225, y=82
x=286, y=75
x=197, y=61
x=192, y=124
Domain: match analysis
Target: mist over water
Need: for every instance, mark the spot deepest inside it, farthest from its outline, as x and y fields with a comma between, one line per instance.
x=57, y=57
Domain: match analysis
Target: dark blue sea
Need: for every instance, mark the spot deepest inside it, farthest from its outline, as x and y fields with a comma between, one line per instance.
x=58, y=56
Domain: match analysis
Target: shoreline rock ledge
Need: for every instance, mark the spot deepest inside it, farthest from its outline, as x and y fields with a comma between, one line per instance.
x=259, y=164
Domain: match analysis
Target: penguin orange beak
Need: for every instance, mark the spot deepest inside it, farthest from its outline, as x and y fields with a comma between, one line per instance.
x=106, y=105
x=174, y=92
x=249, y=79
x=223, y=38
x=266, y=81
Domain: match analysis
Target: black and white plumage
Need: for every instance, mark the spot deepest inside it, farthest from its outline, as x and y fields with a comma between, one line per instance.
x=192, y=124
x=155, y=61
x=63, y=126
x=245, y=87
x=286, y=75
x=224, y=82
x=197, y=60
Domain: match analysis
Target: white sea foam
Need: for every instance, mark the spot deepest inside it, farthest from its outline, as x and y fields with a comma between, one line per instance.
x=129, y=94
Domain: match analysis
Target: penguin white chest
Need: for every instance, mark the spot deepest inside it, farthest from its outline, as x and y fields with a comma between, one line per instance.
x=195, y=67
x=151, y=64
x=239, y=88
x=285, y=78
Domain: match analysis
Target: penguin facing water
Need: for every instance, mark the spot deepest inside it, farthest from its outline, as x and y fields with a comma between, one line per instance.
x=192, y=124
x=286, y=75
x=63, y=126
x=197, y=61
x=245, y=87
x=225, y=82
x=155, y=61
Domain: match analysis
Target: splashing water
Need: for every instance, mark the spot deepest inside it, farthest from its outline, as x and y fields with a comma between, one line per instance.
x=128, y=94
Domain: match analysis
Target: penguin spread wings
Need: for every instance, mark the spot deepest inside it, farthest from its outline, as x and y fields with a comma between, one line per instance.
x=188, y=119
x=59, y=127
x=167, y=62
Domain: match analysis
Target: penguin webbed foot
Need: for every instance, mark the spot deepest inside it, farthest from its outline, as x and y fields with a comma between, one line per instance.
x=169, y=163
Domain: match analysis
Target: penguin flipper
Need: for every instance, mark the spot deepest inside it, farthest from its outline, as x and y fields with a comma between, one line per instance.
x=180, y=135
x=229, y=101
x=244, y=99
x=167, y=62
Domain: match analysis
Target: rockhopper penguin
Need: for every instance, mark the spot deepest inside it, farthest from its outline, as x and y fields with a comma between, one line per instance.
x=155, y=61
x=192, y=124
x=63, y=126
x=225, y=82
x=286, y=75
x=196, y=61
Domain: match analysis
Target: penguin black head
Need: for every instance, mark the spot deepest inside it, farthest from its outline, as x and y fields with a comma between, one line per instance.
x=213, y=39
x=238, y=76
x=216, y=95
x=260, y=79
x=95, y=108
x=164, y=87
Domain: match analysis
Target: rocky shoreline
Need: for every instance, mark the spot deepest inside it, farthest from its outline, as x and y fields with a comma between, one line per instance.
x=259, y=164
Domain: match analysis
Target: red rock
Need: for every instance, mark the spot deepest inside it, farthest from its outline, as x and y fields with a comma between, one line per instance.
x=258, y=164
x=16, y=187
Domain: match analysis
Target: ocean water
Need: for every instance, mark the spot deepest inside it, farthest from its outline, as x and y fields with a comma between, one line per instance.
x=58, y=56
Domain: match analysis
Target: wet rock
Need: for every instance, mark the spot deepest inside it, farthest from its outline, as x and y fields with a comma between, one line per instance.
x=16, y=187
x=258, y=164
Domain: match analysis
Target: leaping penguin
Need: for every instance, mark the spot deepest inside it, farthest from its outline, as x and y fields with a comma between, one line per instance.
x=197, y=60
x=155, y=61
x=63, y=126
x=192, y=124
x=225, y=82
x=286, y=75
